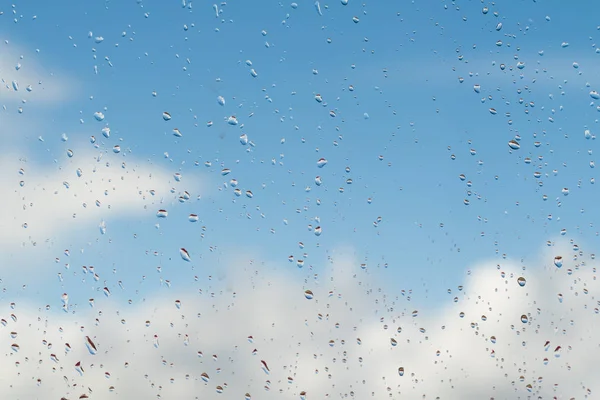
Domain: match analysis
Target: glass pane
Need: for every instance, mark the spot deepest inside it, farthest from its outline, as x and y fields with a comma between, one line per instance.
x=309, y=200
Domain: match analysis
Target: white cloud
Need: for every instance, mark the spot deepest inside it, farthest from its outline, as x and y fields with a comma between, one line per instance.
x=55, y=202
x=24, y=75
x=294, y=341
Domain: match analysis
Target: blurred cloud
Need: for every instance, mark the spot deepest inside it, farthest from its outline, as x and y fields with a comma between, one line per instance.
x=43, y=202
x=24, y=77
x=313, y=345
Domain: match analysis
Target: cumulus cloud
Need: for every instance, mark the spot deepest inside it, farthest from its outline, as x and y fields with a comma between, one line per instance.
x=338, y=344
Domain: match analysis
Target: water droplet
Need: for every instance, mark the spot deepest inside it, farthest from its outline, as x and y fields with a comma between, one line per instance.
x=321, y=163
x=521, y=281
x=79, y=368
x=524, y=319
x=309, y=294
x=401, y=371
x=249, y=194
x=105, y=132
x=89, y=344
x=355, y=20
x=99, y=116
x=70, y=153
x=177, y=133
x=557, y=351
x=225, y=171
x=116, y=149
x=185, y=255
x=162, y=213
x=232, y=120
x=318, y=231
x=499, y=26
x=221, y=100
x=166, y=116
x=558, y=261
x=102, y=227
x=244, y=139
x=264, y=367
x=513, y=144
x=204, y=376
x=318, y=7
x=193, y=218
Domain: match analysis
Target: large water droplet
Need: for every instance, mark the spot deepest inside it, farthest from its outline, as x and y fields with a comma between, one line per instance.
x=185, y=255
x=513, y=144
x=558, y=261
x=91, y=346
x=162, y=213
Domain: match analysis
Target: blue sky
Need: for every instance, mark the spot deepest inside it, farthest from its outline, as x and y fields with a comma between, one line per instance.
x=400, y=83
